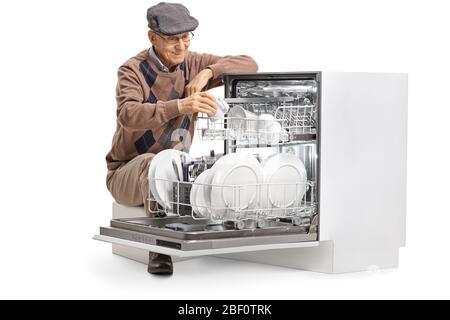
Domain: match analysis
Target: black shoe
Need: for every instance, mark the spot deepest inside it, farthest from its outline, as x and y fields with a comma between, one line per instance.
x=160, y=215
x=159, y=263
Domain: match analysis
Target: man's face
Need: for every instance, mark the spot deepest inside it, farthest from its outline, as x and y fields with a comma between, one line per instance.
x=171, y=50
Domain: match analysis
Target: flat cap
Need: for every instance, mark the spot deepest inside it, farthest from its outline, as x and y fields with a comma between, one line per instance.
x=170, y=18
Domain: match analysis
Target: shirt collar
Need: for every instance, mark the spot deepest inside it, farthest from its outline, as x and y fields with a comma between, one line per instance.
x=156, y=60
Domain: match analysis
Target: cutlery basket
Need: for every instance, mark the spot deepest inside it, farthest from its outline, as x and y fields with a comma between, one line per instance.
x=181, y=198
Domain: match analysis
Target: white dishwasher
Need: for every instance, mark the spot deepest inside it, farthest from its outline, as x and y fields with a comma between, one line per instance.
x=312, y=176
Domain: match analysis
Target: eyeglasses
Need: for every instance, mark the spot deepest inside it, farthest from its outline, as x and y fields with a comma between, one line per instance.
x=175, y=40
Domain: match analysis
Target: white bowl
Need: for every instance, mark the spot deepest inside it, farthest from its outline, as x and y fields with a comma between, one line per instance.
x=243, y=119
x=269, y=129
x=265, y=121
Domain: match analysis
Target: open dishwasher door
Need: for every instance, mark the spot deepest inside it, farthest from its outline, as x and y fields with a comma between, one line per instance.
x=184, y=236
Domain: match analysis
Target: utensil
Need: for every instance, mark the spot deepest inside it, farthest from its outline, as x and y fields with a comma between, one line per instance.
x=175, y=169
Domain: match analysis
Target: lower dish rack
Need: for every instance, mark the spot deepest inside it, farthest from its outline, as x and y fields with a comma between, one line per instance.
x=177, y=228
x=249, y=206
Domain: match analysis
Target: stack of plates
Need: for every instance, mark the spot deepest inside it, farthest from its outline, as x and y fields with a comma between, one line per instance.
x=165, y=169
x=231, y=184
x=199, y=203
x=238, y=181
x=285, y=181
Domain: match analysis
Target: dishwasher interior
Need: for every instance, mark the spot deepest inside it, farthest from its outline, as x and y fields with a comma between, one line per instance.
x=263, y=187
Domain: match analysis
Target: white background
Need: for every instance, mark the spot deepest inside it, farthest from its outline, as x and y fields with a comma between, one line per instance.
x=58, y=75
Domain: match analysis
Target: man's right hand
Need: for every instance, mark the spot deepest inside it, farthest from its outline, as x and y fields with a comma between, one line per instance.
x=198, y=102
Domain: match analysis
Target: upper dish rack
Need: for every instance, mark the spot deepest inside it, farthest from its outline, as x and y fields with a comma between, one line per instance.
x=265, y=121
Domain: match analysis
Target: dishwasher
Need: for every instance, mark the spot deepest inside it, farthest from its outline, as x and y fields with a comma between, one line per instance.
x=311, y=175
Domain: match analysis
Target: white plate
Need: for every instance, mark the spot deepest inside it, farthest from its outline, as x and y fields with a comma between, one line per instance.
x=235, y=182
x=285, y=176
x=208, y=181
x=198, y=200
x=162, y=174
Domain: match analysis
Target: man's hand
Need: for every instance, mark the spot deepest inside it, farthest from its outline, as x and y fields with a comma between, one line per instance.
x=199, y=82
x=198, y=102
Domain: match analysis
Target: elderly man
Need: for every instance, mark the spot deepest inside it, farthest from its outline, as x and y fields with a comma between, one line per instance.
x=160, y=91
